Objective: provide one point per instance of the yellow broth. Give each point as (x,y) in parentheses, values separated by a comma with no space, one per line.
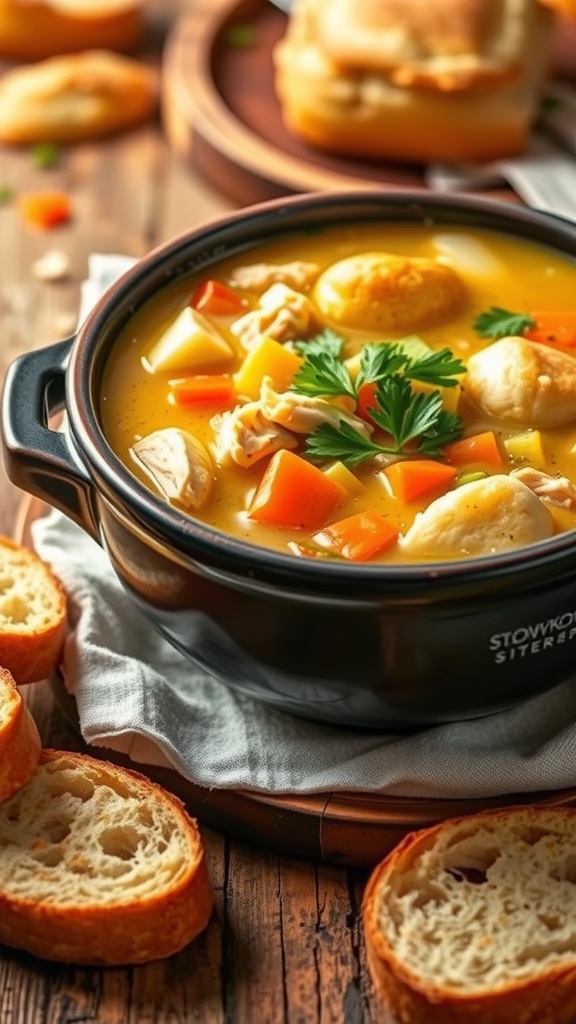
(517,275)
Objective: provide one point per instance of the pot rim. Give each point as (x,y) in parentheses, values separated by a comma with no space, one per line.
(169,262)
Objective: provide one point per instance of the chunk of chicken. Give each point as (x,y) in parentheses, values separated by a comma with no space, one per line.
(483,517)
(179,464)
(282,314)
(523,382)
(558,490)
(245,436)
(382,291)
(257,277)
(303,413)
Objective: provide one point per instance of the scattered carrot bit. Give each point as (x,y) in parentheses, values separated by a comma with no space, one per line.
(413,478)
(482,447)
(358,537)
(553,328)
(293,492)
(214,388)
(45,209)
(215,299)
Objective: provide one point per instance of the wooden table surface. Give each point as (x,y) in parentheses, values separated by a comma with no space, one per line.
(284,944)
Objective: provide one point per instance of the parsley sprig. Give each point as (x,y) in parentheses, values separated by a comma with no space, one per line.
(413,421)
(500,323)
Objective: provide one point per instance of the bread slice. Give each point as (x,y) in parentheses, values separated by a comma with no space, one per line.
(475,920)
(19,738)
(33,614)
(99,865)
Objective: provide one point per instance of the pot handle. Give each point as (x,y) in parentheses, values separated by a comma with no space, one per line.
(39,458)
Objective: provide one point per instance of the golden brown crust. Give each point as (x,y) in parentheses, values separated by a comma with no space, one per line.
(30,644)
(63,31)
(123,930)
(549,997)
(75,97)
(19,738)
(346,87)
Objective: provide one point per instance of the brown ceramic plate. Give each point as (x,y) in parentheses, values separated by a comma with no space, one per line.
(351,829)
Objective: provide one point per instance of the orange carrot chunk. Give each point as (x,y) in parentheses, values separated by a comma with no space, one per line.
(215,299)
(553,328)
(358,537)
(210,388)
(478,448)
(413,478)
(45,209)
(366,400)
(293,492)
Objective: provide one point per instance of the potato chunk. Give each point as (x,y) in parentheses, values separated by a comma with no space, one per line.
(483,517)
(189,343)
(382,291)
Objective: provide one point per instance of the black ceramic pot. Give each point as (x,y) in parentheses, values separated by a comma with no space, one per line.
(399,647)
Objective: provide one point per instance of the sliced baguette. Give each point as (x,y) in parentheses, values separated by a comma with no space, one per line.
(474,920)
(99,865)
(19,738)
(33,614)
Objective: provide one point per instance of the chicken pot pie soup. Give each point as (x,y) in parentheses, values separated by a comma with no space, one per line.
(371,393)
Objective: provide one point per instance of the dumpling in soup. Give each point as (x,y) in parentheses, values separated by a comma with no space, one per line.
(523,382)
(383,291)
(482,517)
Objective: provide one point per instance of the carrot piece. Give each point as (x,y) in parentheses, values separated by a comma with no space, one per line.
(214,388)
(45,209)
(216,299)
(553,328)
(366,400)
(358,537)
(413,478)
(482,447)
(293,492)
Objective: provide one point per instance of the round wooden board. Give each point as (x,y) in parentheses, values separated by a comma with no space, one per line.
(351,829)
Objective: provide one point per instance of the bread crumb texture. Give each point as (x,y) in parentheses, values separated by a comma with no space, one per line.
(99,865)
(476,920)
(33,614)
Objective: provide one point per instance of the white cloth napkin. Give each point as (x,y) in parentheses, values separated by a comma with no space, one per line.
(137,695)
(544,176)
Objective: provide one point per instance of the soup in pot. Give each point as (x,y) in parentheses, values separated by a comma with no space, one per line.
(371,393)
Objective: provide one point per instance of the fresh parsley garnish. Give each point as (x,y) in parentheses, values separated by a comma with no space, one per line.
(412,420)
(343,443)
(500,323)
(326,341)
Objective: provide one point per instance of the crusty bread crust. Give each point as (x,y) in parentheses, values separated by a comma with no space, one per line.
(58,31)
(19,738)
(33,614)
(544,993)
(99,865)
(74,97)
(404,111)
